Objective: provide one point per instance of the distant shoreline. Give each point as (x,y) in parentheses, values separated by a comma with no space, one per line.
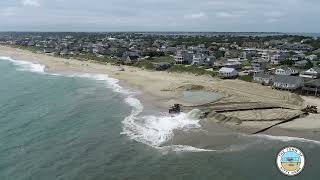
(164,89)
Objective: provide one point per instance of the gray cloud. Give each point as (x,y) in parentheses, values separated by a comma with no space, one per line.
(160,15)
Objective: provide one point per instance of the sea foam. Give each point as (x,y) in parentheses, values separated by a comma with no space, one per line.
(287,138)
(26,66)
(151,130)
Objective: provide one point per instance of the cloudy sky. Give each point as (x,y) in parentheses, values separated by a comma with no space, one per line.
(160,15)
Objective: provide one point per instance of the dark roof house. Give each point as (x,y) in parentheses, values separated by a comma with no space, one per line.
(287,82)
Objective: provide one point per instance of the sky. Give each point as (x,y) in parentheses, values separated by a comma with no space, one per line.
(161,15)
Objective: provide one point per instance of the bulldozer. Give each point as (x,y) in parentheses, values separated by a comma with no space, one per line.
(310,109)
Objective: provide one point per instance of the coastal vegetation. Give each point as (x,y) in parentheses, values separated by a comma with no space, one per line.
(246,78)
(309,65)
(158,59)
(145,64)
(91,56)
(192,69)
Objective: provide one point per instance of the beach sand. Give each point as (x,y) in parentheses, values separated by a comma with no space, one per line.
(163,89)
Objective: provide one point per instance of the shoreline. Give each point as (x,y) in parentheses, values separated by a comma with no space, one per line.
(160,90)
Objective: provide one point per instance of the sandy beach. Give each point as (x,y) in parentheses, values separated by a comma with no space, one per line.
(164,89)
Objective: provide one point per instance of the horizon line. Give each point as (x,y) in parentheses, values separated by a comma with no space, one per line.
(160,31)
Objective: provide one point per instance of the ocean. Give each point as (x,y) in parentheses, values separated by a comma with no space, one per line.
(72,126)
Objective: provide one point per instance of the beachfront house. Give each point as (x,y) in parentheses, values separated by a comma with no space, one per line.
(287,82)
(130,57)
(312,87)
(228,72)
(286,71)
(262,78)
(233,63)
(183,57)
(312,73)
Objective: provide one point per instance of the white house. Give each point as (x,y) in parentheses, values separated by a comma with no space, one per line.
(286,71)
(228,72)
(313,73)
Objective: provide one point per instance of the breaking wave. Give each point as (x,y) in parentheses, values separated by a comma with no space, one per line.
(151,130)
(25,65)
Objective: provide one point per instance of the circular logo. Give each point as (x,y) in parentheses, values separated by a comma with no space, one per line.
(291,161)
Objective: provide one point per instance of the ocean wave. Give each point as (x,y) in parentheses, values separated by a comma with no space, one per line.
(155,130)
(151,130)
(184,148)
(111,83)
(286,138)
(25,65)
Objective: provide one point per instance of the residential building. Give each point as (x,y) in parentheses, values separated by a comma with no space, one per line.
(258,66)
(312,57)
(183,57)
(286,71)
(298,57)
(312,73)
(233,63)
(300,64)
(210,60)
(262,78)
(228,72)
(312,87)
(287,82)
(130,57)
(248,53)
(264,55)
(199,59)
(278,57)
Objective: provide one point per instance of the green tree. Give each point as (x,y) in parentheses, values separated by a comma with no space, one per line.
(308,65)
(287,62)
